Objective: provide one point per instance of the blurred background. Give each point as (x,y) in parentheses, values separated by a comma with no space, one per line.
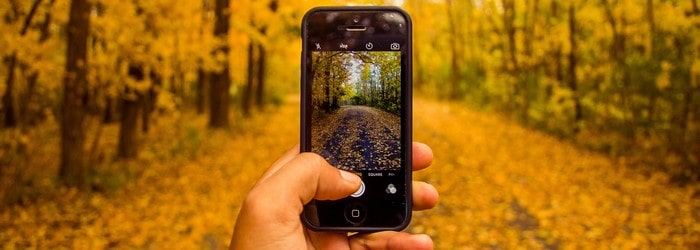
(555,124)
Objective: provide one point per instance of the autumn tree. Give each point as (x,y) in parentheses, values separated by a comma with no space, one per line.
(329,73)
(455,71)
(27,110)
(262,66)
(15,103)
(73,170)
(8,101)
(247,97)
(577,69)
(253,91)
(138,94)
(128,125)
(220,80)
(573,78)
(202,74)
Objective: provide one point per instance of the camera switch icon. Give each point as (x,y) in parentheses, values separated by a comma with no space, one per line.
(390,189)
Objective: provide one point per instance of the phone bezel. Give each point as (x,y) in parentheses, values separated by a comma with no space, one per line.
(406,117)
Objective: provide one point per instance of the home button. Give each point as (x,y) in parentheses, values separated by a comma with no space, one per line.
(355,213)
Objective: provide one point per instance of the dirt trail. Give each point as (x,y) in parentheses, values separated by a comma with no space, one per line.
(359,132)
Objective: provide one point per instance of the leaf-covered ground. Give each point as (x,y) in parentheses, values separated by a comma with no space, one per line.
(502,186)
(357,138)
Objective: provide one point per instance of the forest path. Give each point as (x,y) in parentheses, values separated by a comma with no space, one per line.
(359,132)
(505,186)
(502,187)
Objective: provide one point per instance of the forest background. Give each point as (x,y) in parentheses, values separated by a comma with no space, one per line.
(97,95)
(364,78)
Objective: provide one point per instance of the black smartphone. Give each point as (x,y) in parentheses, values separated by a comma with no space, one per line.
(356,82)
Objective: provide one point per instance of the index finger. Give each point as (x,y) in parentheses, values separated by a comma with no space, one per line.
(288,156)
(422,156)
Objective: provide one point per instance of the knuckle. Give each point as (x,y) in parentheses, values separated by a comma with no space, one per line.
(312,160)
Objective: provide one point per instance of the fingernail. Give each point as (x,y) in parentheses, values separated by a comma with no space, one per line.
(349,176)
(423,238)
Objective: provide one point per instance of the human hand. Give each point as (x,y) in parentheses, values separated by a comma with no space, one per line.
(270,215)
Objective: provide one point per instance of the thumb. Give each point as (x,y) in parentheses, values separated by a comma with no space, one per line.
(307,176)
(272,208)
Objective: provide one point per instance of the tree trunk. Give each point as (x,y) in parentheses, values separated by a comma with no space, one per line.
(26,113)
(221,81)
(327,100)
(8,103)
(559,74)
(8,100)
(557,54)
(509,23)
(262,53)
(651,52)
(146,109)
(260,87)
(616,50)
(110,110)
(573,81)
(149,101)
(250,80)
(510,61)
(73,170)
(455,74)
(531,15)
(203,77)
(128,129)
(617,56)
(652,26)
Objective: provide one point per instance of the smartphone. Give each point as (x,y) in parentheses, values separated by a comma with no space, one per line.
(356,81)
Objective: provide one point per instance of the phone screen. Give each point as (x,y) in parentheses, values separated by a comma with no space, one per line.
(356,87)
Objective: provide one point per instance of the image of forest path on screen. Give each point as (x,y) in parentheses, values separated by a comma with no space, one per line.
(356,121)
(360,138)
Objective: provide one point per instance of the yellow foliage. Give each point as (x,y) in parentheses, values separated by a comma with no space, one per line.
(501,186)
(180,203)
(663,81)
(511,187)
(673,19)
